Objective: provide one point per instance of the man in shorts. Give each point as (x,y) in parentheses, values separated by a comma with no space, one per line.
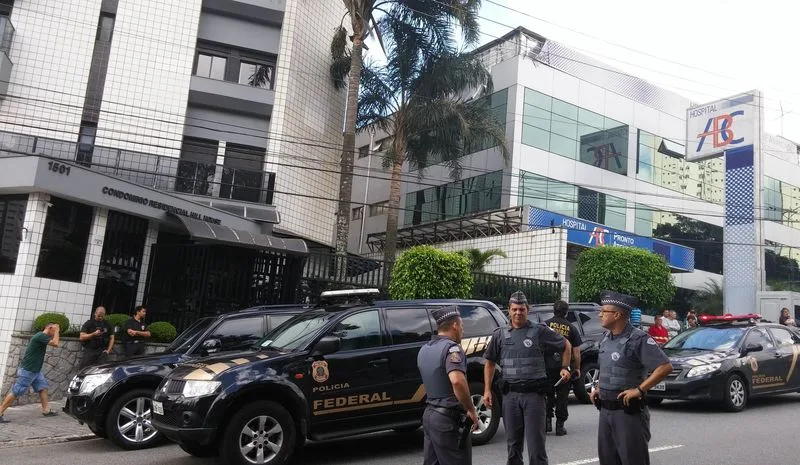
(29,373)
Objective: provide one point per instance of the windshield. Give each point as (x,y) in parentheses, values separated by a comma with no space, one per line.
(297,332)
(707,338)
(186,339)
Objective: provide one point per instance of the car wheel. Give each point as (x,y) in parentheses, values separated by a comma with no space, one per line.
(259,433)
(128,422)
(488,418)
(735,394)
(101,433)
(583,385)
(200,451)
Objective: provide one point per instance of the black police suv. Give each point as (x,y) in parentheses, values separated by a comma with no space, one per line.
(585,316)
(730,359)
(114,399)
(331,372)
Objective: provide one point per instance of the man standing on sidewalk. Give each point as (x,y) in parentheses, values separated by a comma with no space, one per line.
(29,372)
(97,338)
(136,331)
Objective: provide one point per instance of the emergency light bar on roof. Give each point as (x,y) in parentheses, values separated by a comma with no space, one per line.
(706,319)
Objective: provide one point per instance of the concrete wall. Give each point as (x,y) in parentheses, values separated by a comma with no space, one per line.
(60,364)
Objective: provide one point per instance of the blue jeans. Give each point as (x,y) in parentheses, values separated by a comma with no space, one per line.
(25,379)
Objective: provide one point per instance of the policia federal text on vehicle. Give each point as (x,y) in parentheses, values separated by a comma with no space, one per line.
(335,371)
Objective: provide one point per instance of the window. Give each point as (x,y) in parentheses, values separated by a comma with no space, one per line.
(86,138)
(781,202)
(256,75)
(239,333)
(783,338)
(380,208)
(105,28)
(573,132)
(408,325)
(759,336)
(358,213)
(477,321)
(277,320)
(12,217)
(455,199)
(781,265)
(65,239)
(363,151)
(210,66)
(360,331)
(591,323)
(197,166)
(243,173)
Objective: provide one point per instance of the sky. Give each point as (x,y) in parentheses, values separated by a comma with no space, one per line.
(702,49)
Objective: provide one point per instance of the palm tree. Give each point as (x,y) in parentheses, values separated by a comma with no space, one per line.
(710,298)
(478,260)
(417,97)
(346,68)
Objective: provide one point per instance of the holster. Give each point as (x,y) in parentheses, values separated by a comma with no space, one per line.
(635,406)
(465,429)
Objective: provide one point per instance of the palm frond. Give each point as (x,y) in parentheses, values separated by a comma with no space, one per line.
(341,59)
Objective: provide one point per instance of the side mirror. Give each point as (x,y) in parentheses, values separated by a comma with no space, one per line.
(753,348)
(211,346)
(327,345)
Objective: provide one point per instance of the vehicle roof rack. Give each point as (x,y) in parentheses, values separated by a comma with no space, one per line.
(349,297)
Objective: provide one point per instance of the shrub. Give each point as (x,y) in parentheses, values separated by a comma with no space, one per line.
(46,318)
(161,331)
(424,272)
(629,270)
(117,320)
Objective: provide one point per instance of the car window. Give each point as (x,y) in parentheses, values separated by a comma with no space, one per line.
(239,333)
(783,337)
(591,322)
(477,321)
(359,331)
(759,336)
(407,325)
(275,320)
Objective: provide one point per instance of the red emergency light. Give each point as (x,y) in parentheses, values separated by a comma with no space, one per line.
(727,318)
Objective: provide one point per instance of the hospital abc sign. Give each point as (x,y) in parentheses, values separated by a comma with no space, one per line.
(713,128)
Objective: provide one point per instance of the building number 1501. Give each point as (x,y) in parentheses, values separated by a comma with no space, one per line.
(59,168)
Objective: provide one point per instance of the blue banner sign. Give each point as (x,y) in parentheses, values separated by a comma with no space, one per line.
(588,234)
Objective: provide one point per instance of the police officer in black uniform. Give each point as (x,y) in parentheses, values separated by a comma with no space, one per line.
(559,395)
(520,349)
(627,354)
(450,416)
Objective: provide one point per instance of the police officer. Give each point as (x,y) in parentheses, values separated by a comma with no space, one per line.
(558,396)
(627,354)
(520,349)
(443,366)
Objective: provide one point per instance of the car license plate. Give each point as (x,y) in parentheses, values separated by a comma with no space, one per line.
(158,408)
(662,386)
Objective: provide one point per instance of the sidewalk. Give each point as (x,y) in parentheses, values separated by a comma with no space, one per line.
(27,427)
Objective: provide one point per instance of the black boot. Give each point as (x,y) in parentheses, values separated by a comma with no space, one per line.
(548,426)
(560,431)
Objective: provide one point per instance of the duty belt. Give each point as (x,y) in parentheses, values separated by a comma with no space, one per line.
(524,387)
(452,413)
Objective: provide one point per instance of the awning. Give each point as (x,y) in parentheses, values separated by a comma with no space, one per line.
(204,231)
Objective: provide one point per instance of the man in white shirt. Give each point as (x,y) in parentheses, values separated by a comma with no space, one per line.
(671,323)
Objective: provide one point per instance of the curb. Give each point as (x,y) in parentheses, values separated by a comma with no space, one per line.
(43,441)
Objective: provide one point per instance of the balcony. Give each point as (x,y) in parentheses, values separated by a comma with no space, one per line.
(6,40)
(231,186)
(232,96)
(265,11)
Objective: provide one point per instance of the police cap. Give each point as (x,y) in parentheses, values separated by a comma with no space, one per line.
(622,301)
(518,298)
(445,314)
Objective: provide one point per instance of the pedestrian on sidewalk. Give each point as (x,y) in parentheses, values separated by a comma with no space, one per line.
(135,333)
(97,338)
(30,373)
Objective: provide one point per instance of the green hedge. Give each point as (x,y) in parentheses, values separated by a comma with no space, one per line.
(46,318)
(424,272)
(117,319)
(161,331)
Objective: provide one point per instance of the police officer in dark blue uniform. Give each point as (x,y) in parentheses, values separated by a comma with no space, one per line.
(627,354)
(443,366)
(520,349)
(557,398)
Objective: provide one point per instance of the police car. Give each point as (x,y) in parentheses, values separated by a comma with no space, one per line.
(114,398)
(331,372)
(730,359)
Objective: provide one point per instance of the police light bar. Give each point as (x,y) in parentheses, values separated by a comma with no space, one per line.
(727,318)
(350,292)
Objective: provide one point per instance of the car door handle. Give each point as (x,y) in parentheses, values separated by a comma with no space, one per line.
(378,361)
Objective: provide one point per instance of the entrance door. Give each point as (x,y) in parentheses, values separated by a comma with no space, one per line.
(120,263)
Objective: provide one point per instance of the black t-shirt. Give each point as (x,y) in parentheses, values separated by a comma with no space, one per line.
(136,326)
(97,342)
(563,327)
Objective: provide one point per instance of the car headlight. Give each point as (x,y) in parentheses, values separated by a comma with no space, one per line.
(91,382)
(194,388)
(703,370)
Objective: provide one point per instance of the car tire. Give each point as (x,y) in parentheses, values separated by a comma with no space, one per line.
(489,418)
(735,394)
(579,386)
(271,424)
(132,412)
(200,451)
(100,433)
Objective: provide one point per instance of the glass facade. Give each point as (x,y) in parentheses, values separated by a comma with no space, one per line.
(565,129)
(781,202)
(781,266)
(570,200)
(455,199)
(706,239)
(12,216)
(661,162)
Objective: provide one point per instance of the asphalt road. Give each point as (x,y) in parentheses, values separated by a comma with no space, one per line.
(683,433)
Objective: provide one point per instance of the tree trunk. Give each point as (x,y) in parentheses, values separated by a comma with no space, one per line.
(390,243)
(348,150)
